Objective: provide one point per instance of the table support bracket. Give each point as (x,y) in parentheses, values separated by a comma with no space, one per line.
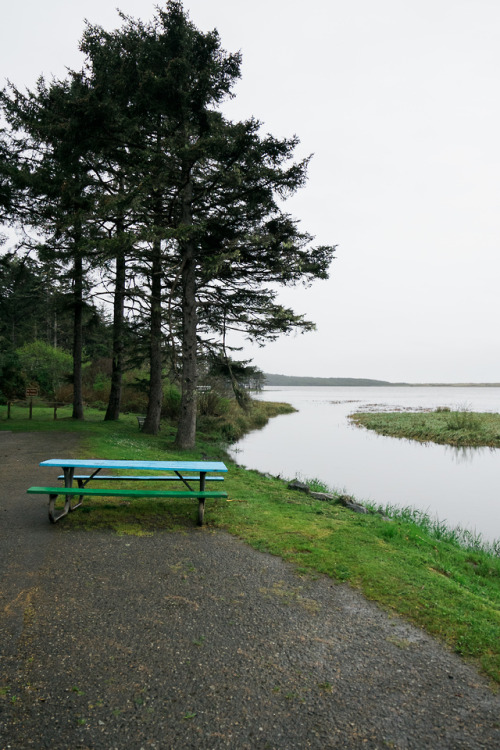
(67,507)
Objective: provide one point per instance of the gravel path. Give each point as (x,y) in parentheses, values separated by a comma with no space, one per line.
(194,640)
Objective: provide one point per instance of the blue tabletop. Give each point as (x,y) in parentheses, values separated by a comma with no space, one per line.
(98,463)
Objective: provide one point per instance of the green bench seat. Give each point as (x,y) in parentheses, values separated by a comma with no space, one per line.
(135,477)
(82,492)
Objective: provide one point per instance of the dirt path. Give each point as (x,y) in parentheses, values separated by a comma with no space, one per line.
(194,640)
(25,538)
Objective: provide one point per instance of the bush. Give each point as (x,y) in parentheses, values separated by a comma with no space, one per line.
(64,394)
(45,365)
(98,393)
(171,402)
(133,400)
(211,404)
(234,422)
(12,381)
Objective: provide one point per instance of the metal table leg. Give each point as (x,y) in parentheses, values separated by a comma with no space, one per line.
(201,503)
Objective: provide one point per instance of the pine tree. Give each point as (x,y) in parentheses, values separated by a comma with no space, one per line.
(191,202)
(55,182)
(207,193)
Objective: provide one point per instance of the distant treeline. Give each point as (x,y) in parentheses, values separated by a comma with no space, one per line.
(272,379)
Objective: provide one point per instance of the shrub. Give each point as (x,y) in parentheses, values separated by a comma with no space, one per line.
(45,365)
(12,381)
(133,400)
(211,404)
(171,402)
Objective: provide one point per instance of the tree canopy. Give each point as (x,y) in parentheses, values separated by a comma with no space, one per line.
(133,178)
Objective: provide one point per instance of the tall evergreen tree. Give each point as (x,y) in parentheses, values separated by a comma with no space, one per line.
(207,190)
(196,199)
(56,184)
(169,75)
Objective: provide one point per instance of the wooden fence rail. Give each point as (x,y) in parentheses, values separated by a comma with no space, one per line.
(55,405)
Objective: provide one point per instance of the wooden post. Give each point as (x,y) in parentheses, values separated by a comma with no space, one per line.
(8,409)
(30,392)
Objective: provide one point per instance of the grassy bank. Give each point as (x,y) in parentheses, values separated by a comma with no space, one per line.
(460,427)
(452,592)
(227,426)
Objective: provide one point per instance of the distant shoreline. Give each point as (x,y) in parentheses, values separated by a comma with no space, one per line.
(274,379)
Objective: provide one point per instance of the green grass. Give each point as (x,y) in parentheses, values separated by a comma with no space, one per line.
(459,427)
(429,578)
(227,427)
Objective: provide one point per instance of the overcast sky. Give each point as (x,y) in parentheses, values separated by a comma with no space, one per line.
(398,101)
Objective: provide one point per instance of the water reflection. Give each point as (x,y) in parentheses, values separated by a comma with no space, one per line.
(458,485)
(459,453)
(464,454)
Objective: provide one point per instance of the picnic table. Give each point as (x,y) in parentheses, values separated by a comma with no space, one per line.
(185,472)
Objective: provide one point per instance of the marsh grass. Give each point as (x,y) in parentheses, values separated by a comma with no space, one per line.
(459,427)
(231,425)
(464,420)
(315,484)
(438,529)
(422,573)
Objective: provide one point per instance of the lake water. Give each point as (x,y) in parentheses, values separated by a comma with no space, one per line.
(456,485)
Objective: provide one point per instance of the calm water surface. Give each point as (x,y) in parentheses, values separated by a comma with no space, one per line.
(459,486)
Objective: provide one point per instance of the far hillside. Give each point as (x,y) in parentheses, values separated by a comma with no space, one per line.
(273,379)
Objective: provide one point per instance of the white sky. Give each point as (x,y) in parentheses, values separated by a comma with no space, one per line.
(398,101)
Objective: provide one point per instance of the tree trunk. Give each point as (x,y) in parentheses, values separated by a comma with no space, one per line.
(186,429)
(78,337)
(153,414)
(115,395)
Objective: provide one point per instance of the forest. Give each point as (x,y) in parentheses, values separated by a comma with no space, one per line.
(149,229)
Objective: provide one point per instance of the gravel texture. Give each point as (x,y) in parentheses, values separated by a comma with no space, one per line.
(195,640)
